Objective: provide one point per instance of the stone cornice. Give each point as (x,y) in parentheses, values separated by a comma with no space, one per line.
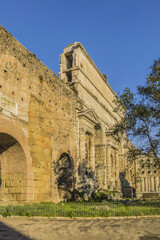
(78,81)
(84,104)
(78,44)
(98,101)
(85,114)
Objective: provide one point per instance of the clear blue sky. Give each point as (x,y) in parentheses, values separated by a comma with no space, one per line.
(121,36)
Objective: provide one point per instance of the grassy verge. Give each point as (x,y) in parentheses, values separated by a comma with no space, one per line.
(83,209)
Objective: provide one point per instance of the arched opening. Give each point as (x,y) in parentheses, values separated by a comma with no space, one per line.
(13,170)
(127,190)
(65,176)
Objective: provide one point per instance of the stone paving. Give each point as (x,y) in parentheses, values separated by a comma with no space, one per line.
(23,228)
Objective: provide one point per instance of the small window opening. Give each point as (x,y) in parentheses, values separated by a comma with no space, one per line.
(69,61)
(69,76)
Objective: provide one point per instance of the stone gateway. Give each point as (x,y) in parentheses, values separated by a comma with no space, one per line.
(55,131)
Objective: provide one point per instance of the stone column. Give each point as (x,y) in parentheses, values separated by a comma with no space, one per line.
(62,64)
(142,184)
(82,146)
(113,165)
(149,186)
(138,186)
(104,156)
(157,183)
(108,163)
(152,184)
(117,169)
(145,184)
(92,156)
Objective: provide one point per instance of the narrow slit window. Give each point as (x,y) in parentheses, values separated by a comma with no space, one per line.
(69,61)
(69,76)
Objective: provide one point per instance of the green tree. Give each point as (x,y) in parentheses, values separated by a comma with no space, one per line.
(141,116)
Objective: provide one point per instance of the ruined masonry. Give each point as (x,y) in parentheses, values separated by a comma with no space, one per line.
(55,131)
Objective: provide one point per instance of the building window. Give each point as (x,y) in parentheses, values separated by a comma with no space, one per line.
(69,76)
(69,59)
(142,165)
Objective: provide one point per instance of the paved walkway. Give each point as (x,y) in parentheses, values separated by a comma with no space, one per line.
(23,228)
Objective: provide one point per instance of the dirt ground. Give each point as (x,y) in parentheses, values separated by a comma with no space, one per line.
(27,228)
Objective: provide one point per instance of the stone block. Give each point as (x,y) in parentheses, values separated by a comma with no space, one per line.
(15,190)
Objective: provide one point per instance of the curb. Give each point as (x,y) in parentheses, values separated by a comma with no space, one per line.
(85,218)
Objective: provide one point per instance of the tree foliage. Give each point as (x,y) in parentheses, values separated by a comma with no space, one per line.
(141,116)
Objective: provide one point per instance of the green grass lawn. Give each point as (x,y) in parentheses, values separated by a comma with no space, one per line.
(83,209)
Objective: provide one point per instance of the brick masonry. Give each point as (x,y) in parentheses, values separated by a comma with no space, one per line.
(50,125)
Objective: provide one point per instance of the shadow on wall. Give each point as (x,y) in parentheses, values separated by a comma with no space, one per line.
(64,171)
(65,179)
(88,181)
(9,233)
(127,190)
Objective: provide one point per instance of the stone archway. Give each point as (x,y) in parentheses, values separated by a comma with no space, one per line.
(65,176)
(13,162)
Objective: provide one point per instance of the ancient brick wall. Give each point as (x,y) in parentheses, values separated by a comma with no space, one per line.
(55,132)
(38,110)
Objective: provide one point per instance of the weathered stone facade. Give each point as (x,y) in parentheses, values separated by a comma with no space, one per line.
(96,148)
(37,124)
(55,131)
(148,178)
